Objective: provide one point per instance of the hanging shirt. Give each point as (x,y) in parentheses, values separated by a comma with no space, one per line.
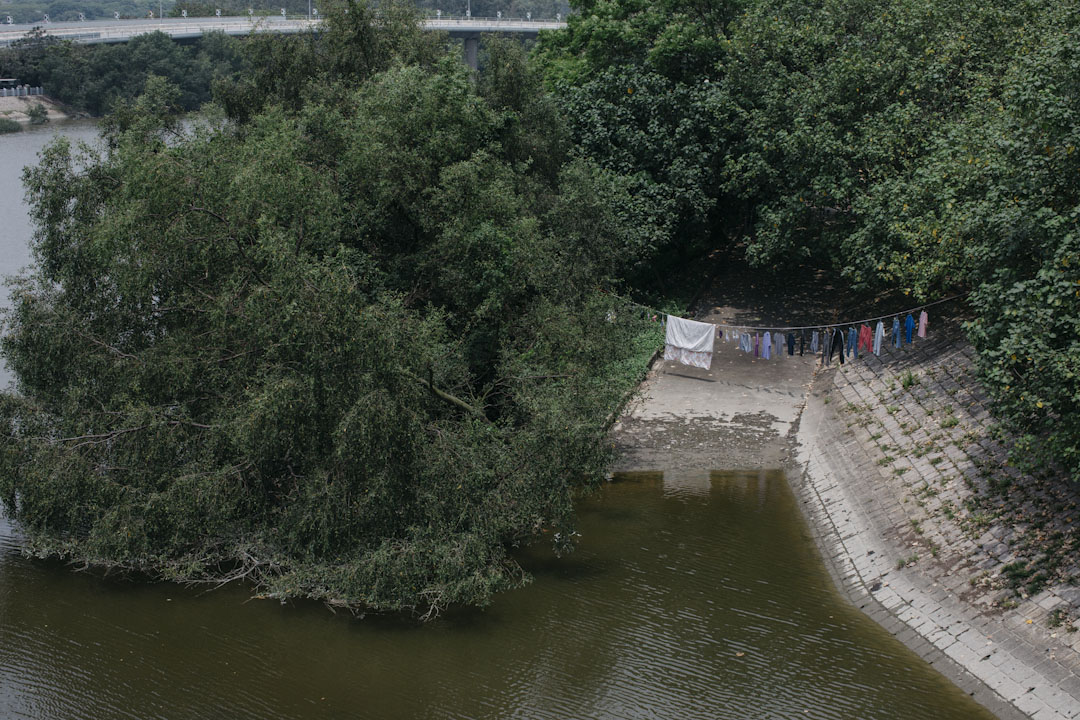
(924,320)
(689,342)
(879,335)
(865,338)
(778,344)
(745,342)
(766,346)
(909,327)
(896,338)
(852,338)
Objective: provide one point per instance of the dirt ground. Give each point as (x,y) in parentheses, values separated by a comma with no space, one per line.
(739,413)
(15,108)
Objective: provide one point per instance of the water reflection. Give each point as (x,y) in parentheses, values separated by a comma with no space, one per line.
(694,595)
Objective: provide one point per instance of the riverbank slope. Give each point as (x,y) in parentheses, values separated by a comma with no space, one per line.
(892,534)
(930,531)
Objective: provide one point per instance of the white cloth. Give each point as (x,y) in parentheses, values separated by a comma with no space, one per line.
(689,342)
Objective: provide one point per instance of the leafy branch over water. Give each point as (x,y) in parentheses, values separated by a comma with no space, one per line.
(346,344)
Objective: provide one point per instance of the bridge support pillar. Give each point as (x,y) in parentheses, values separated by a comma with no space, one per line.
(472,51)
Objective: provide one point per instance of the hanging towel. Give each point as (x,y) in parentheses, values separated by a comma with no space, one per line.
(909,327)
(896,337)
(766,346)
(865,338)
(791,343)
(689,342)
(924,320)
(852,338)
(745,342)
(814,342)
(879,335)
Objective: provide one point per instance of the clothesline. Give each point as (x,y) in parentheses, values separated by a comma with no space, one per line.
(823,326)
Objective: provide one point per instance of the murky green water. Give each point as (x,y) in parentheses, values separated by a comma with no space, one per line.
(690,596)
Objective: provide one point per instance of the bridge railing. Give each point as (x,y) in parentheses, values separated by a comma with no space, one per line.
(100,32)
(21,91)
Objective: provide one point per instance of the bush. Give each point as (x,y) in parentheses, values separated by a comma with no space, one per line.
(38,114)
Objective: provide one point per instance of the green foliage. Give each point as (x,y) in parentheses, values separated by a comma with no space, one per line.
(8,125)
(633,81)
(34,11)
(350,348)
(37,114)
(922,147)
(91,78)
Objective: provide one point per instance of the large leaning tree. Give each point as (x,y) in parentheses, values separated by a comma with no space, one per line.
(343,337)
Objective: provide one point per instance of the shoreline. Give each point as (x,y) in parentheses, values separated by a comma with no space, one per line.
(873,514)
(870,513)
(16,108)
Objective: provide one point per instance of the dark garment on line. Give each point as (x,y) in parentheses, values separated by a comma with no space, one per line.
(909,327)
(791,343)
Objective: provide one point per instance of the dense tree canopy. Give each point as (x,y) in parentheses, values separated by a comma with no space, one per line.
(915,146)
(349,346)
(92,78)
(346,336)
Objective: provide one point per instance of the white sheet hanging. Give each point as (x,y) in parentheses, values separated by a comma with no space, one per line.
(689,342)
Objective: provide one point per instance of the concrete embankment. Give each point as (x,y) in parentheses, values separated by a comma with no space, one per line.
(924,526)
(928,529)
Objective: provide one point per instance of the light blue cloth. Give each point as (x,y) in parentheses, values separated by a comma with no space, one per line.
(897,338)
(852,338)
(814,342)
(766,346)
(879,335)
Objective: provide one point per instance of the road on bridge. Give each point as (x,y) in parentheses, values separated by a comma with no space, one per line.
(114,31)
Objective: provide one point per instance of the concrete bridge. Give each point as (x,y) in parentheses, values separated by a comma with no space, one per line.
(467,29)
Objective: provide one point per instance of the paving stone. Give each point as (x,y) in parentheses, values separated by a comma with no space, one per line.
(878,503)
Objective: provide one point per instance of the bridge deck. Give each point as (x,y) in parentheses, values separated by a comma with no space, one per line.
(114,31)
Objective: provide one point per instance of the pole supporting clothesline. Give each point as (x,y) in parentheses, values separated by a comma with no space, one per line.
(822,326)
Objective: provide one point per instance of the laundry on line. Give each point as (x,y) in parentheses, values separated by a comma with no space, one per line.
(691,342)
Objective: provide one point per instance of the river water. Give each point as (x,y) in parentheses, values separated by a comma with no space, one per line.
(691,595)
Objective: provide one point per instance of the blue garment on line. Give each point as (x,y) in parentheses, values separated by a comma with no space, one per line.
(896,337)
(879,335)
(744,342)
(766,346)
(909,327)
(852,338)
(814,342)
